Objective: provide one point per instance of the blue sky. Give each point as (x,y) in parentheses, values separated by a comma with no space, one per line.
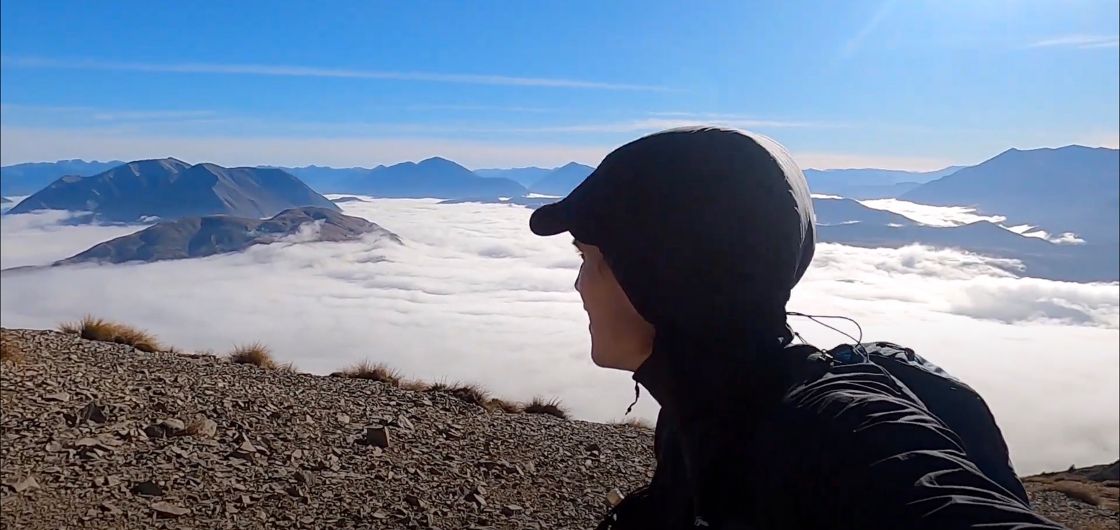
(905,84)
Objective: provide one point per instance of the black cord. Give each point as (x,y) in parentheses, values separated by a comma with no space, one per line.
(636,395)
(815,318)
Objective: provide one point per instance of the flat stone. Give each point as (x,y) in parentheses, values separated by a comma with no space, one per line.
(57,396)
(25,484)
(166,509)
(206,428)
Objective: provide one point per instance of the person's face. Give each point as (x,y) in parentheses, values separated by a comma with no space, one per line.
(620,337)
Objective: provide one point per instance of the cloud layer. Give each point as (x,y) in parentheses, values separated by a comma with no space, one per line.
(472,296)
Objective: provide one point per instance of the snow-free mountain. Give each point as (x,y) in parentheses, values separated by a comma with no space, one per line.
(525,176)
(562,180)
(1069,189)
(195,237)
(434,177)
(25,179)
(170,189)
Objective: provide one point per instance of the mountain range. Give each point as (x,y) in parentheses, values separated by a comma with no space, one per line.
(195,237)
(434,177)
(169,189)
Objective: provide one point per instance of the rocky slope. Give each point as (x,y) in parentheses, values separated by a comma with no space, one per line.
(93,437)
(196,237)
(99,435)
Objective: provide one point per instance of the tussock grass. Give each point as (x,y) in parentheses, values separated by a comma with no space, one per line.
(552,407)
(509,407)
(99,329)
(287,368)
(10,352)
(634,421)
(414,385)
(256,354)
(372,372)
(465,392)
(1076,491)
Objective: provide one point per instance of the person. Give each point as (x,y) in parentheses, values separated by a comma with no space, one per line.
(692,240)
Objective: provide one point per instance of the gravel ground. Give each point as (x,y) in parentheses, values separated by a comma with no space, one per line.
(98,435)
(1072,513)
(95,435)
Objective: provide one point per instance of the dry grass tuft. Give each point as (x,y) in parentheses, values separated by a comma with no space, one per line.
(465,392)
(552,407)
(1076,491)
(414,385)
(634,421)
(99,329)
(10,352)
(256,354)
(372,372)
(508,407)
(287,368)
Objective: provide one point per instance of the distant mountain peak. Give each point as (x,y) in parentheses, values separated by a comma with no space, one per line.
(437,161)
(169,188)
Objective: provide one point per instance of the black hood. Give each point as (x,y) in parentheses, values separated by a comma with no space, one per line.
(706,229)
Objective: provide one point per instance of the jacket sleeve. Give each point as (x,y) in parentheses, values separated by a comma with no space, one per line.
(897,466)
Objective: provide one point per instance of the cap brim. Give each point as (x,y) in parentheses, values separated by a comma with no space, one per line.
(550,219)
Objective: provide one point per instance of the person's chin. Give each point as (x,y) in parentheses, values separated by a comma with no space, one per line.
(599,359)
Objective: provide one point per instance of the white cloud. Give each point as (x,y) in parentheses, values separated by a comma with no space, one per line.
(472,295)
(37,238)
(932,215)
(321,72)
(1080,41)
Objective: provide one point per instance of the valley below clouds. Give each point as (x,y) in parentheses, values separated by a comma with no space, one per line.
(472,296)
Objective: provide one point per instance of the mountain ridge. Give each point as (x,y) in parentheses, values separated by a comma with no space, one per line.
(169,188)
(1066,189)
(196,237)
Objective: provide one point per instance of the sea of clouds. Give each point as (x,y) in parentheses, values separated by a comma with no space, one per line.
(471,295)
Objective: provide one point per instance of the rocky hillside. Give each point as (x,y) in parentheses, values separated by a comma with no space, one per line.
(100,435)
(196,237)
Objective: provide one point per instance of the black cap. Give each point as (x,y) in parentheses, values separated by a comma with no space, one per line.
(719,213)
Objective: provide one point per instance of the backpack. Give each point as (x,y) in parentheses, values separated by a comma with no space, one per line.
(950,400)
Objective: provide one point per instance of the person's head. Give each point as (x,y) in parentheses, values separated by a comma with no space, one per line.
(698,232)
